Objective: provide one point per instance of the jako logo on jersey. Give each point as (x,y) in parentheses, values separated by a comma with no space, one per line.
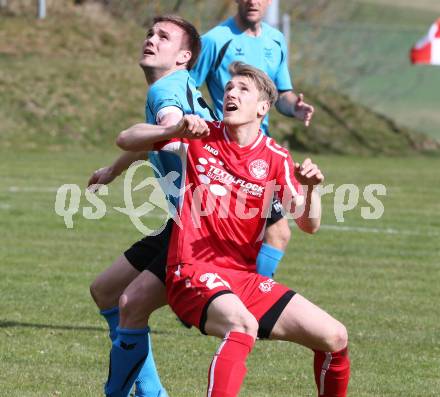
(266,286)
(211,150)
(239,51)
(259,169)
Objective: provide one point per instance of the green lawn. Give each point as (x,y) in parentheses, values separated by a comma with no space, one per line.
(380,277)
(361,48)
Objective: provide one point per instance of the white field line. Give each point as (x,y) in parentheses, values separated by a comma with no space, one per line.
(337,228)
(31,189)
(356,229)
(360,229)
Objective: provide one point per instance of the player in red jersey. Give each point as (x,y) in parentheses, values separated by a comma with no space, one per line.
(232,171)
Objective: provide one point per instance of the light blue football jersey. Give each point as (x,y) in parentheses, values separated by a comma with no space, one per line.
(225,44)
(176,89)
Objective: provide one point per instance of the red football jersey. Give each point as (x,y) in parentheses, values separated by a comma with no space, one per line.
(228,195)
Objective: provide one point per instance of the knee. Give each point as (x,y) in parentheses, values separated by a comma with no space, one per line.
(245,323)
(337,338)
(135,307)
(128,311)
(129,304)
(251,326)
(97,293)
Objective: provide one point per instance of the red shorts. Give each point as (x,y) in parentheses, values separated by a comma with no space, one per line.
(191,288)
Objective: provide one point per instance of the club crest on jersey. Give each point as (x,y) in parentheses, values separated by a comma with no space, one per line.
(268,53)
(266,286)
(259,169)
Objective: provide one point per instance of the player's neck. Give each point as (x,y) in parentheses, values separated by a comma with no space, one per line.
(251,29)
(154,74)
(243,135)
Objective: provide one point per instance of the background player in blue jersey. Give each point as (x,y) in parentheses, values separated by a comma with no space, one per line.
(246,38)
(136,278)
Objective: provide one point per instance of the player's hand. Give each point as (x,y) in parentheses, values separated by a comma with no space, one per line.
(102,176)
(303,111)
(192,126)
(308,173)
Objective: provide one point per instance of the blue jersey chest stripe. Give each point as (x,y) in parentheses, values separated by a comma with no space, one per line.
(221,54)
(204,105)
(282,53)
(189,97)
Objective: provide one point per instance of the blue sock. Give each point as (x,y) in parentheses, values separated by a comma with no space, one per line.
(268,259)
(148,382)
(112,318)
(128,354)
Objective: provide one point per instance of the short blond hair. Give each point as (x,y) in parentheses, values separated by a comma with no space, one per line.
(262,81)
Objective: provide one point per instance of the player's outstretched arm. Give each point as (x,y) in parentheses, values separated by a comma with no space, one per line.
(143,136)
(293,105)
(106,175)
(309,176)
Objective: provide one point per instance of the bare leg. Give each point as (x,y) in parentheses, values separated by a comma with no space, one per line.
(145,294)
(305,323)
(109,285)
(228,313)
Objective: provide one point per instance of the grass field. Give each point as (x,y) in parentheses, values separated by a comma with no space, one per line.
(361,48)
(75,79)
(380,277)
(429,5)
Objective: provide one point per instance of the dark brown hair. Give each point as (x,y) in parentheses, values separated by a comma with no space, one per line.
(192,40)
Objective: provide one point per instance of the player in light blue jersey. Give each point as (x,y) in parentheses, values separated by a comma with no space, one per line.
(185,99)
(245,37)
(135,280)
(227,43)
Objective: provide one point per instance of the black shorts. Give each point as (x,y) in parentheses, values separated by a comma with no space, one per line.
(277,212)
(150,253)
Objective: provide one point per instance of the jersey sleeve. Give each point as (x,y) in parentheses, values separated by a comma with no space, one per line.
(172,145)
(167,110)
(205,62)
(177,145)
(282,79)
(289,186)
(160,98)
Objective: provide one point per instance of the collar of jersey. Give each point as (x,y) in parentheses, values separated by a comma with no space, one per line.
(243,149)
(237,30)
(171,75)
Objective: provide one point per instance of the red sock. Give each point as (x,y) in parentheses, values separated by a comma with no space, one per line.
(332,373)
(228,367)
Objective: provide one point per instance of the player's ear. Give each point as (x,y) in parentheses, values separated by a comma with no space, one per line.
(184,57)
(263,108)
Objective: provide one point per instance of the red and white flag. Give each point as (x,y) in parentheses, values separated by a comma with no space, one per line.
(427,49)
